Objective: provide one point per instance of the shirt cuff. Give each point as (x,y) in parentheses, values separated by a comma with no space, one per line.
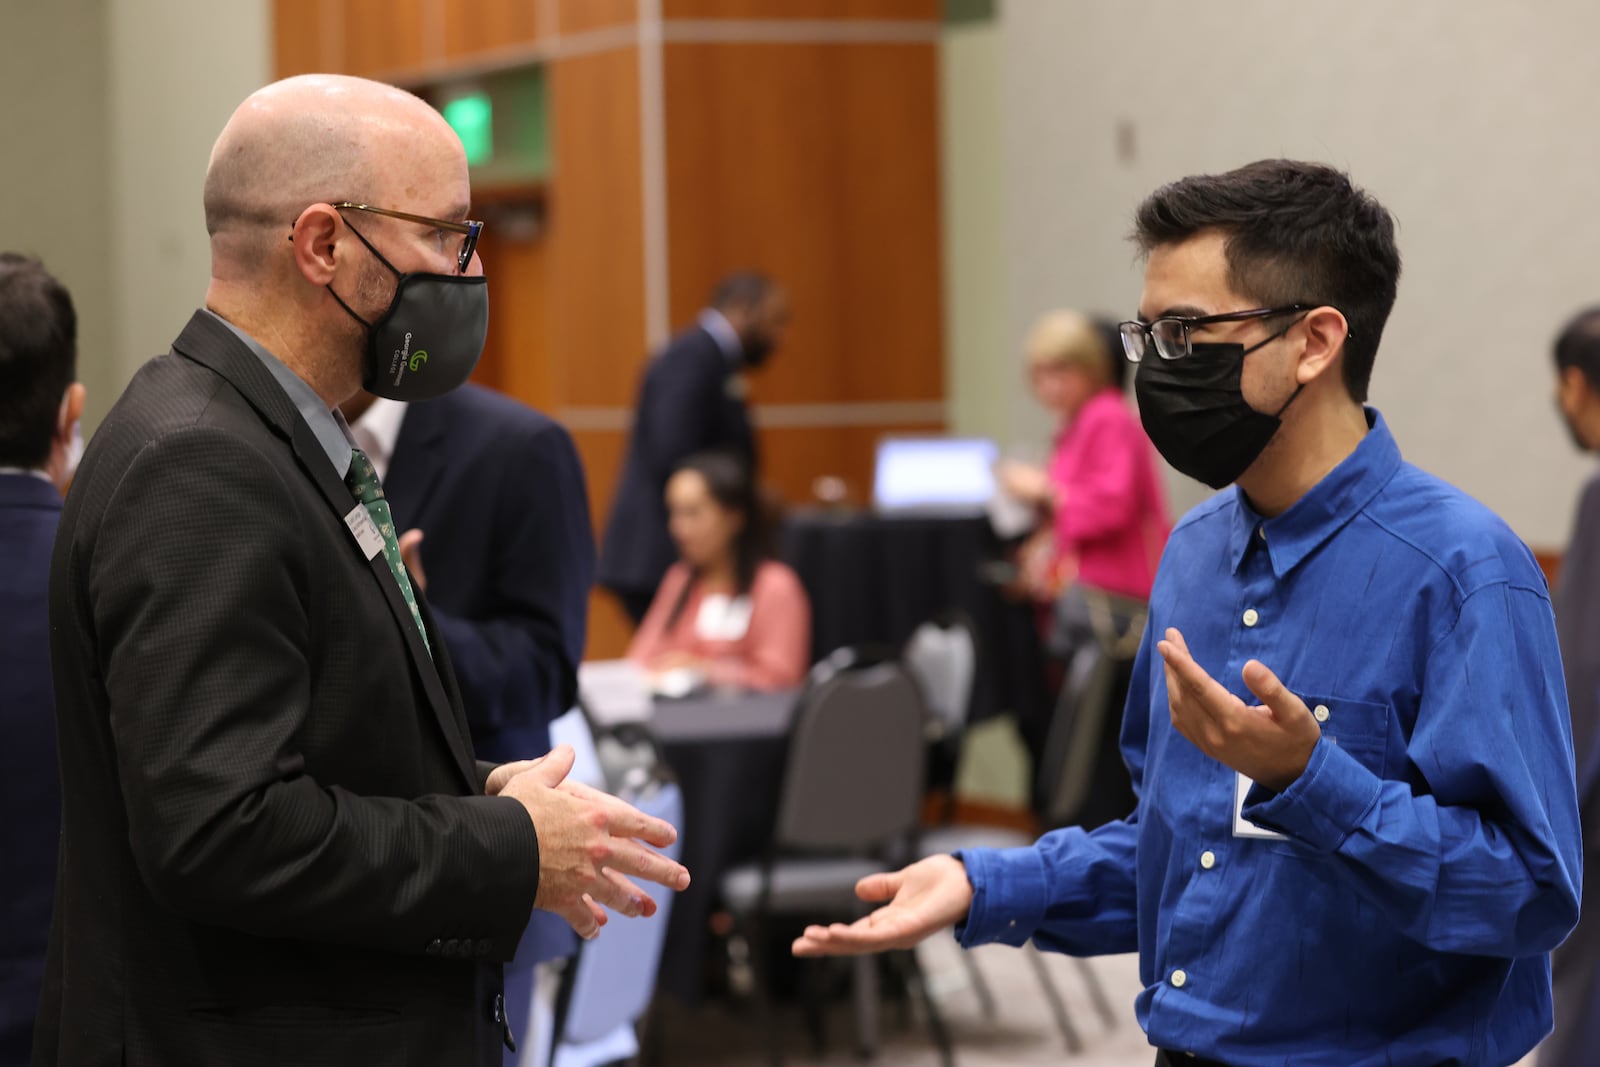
(1010,891)
(1324,805)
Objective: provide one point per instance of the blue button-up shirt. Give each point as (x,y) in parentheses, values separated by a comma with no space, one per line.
(1429,856)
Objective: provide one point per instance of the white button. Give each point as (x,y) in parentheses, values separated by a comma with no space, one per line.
(1261,532)
(1208,859)
(1321,712)
(1251,616)
(1178,979)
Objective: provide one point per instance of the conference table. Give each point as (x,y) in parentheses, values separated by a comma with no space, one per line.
(873,578)
(727,751)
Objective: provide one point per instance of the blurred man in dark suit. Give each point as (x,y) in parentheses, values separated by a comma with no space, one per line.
(278,846)
(692,400)
(40,403)
(491,498)
(1576,964)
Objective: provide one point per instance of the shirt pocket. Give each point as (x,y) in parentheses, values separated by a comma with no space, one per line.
(1359,727)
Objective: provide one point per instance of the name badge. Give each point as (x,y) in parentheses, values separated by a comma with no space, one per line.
(364,530)
(1243,827)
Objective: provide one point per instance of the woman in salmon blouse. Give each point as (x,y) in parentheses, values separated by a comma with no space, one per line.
(726,611)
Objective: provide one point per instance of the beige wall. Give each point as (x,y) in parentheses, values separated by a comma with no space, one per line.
(54,188)
(109,108)
(1473,123)
(979,368)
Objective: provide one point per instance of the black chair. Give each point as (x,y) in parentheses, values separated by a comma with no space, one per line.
(850,807)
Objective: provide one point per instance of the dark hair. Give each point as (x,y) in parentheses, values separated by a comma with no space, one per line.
(38,358)
(743,288)
(730,483)
(1296,233)
(1111,335)
(1579,345)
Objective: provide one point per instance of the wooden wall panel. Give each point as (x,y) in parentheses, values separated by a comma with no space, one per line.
(487,25)
(792,458)
(516,357)
(602,453)
(817,163)
(597,228)
(382,36)
(923,10)
(579,16)
(299,38)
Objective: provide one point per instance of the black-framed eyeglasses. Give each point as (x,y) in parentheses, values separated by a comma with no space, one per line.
(469,230)
(1169,335)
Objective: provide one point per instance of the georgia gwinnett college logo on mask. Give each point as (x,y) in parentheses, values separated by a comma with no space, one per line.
(405,359)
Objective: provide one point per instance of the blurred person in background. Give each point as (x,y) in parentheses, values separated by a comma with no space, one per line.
(727,613)
(1576,964)
(40,404)
(691,399)
(491,497)
(1094,557)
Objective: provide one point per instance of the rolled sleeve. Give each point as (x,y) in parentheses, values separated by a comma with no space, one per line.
(1010,892)
(1324,805)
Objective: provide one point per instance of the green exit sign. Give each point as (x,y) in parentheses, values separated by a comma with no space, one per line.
(472,117)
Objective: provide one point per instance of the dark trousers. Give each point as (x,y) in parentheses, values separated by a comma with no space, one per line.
(1183,1059)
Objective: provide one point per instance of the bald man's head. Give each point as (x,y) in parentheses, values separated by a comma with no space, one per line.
(304,140)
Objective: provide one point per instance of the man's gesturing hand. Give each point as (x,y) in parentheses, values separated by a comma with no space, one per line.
(1270,742)
(587,849)
(927,896)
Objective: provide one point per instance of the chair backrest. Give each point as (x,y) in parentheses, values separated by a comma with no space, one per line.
(856,758)
(942,655)
(615,974)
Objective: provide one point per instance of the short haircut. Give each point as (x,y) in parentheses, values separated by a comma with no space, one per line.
(743,288)
(38,358)
(1296,233)
(1579,345)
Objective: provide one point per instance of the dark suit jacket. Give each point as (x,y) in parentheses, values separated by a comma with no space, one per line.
(686,405)
(30,787)
(272,849)
(508,552)
(498,491)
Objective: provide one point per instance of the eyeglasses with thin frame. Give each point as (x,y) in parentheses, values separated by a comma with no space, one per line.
(1169,335)
(469,229)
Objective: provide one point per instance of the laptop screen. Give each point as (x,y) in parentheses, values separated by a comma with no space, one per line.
(934,473)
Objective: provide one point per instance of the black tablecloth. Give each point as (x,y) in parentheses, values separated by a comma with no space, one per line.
(728,754)
(873,579)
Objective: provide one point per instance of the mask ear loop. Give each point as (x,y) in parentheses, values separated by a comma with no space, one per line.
(1299,387)
(362,238)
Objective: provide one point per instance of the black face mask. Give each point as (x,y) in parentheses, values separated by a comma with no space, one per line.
(1195,412)
(429,340)
(757,349)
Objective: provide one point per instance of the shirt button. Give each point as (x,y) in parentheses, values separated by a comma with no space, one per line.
(1261,532)
(1208,859)
(1251,617)
(1321,712)
(1179,979)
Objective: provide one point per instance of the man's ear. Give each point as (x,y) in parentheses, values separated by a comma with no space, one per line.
(1326,331)
(71,409)
(315,236)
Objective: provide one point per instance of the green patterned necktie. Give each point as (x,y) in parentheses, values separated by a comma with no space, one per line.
(363,482)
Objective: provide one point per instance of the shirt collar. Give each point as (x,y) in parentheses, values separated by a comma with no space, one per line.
(721,330)
(327,426)
(31,472)
(378,429)
(1331,503)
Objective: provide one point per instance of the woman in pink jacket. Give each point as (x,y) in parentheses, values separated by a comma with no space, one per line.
(1094,557)
(727,614)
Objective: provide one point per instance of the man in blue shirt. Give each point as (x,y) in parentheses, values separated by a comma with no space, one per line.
(1356,839)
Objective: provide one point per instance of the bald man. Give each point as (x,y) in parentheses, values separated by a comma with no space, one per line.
(277,845)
